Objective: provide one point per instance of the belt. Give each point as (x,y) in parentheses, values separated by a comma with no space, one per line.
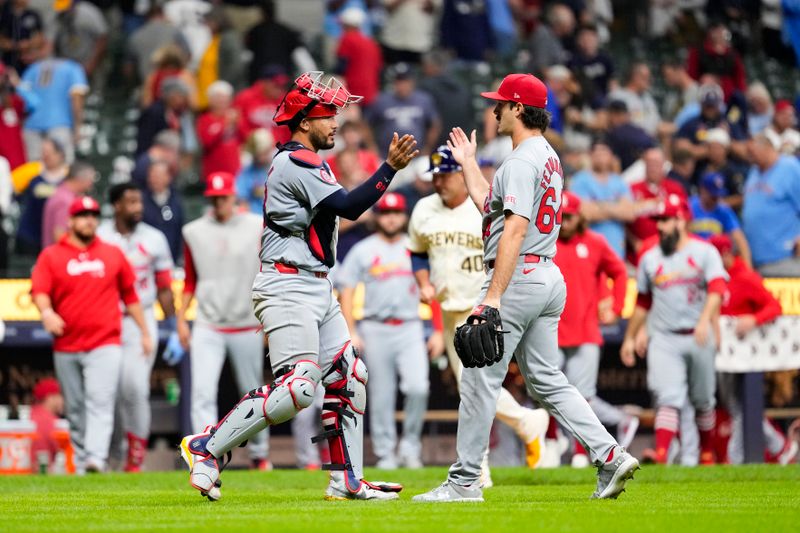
(686,331)
(527,258)
(389,321)
(283,268)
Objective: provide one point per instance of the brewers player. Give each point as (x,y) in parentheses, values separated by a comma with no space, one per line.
(220,263)
(293,298)
(522,212)
(148,253)
(680,284)
(391,333)
(587,260)
(447,256)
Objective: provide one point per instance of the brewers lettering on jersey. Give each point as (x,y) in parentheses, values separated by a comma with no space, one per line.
(521,219)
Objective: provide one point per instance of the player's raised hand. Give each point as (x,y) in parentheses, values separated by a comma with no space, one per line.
(462,147)
(401,151)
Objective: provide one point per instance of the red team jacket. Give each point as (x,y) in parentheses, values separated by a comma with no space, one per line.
(583,260)
(746,295)
(86,287)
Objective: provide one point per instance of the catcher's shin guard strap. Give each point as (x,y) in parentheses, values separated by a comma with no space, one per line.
(343,414)
(267,405)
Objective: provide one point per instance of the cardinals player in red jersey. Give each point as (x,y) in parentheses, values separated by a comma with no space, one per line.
(587,262)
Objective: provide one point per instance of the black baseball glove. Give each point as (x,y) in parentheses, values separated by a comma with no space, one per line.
(479,342)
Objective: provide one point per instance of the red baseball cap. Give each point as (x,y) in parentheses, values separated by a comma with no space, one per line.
(295,101)
(83,204)
(44,388)
(674,207)
(722,243)
(525,89)
(391,202)
(570,203)
(782,105)
(220,184)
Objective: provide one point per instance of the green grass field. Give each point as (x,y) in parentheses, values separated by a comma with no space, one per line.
(679,500)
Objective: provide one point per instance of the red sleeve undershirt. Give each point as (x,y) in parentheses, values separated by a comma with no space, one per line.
(190,281)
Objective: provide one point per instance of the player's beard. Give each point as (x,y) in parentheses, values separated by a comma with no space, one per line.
(669,242)
(320,141)
(84,236)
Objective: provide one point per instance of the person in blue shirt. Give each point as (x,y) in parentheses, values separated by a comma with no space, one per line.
(771,212)
(250,180)
(60,86)
(711,217)
(607,203)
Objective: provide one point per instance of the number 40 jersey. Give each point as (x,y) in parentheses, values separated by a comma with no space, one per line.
(452,239)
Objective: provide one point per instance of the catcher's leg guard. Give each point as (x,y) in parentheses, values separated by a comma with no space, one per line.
(292,391)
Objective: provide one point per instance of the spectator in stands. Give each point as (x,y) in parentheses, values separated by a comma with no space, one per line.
(772,33)
(35,196)
(155,34)
(683,170)
(718,147)
(171,111)
(166,148)
(250,181)
(648,195)
(592,67)
(546,44)
(12,113)
(81,34)
(222,59)
(759,108)
(771,212)
(163,207)
(169,61)
(606,198)
(683,92)
(60,87)
(637,97)
(79,181)
(273,43)
(358,57)
(218,132)
(504,28)
(47,409)
(21,34)
(404,110)
(6,194)
(452,97)
(409,30)
(784,128)
(356,142)
(716,56)
(464,29)
(710,217)
(691,135)
(257,103)
(625,139)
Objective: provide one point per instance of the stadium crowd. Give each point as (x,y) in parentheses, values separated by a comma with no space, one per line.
(206,79)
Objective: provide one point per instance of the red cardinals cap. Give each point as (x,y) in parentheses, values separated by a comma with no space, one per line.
(782,105)
(722,243)
(570,203)
(296,100)
(525,89)
(220,184)
(674,207)
(44,388)
(391,202)
(84,204)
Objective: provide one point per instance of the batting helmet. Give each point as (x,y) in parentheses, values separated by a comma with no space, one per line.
(313,97)
(442,161)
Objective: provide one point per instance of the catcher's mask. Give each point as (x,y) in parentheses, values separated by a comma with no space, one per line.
(315,95)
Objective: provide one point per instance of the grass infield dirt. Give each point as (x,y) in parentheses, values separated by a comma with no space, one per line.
(674,499)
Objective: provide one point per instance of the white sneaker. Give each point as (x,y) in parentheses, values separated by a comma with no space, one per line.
(485,481)
(611,476)
(580,460)
(449,492)
(376,490)
(534,424)
(203,467)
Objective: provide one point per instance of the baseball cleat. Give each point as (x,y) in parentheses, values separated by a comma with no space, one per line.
(375,490)
(612,475)
(535,422)
(627,430)
(203,467)
(449,492)
(485,480)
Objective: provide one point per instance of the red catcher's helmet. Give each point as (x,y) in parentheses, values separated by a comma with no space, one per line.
(314,97)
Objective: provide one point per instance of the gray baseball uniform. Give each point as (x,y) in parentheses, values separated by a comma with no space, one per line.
(148,252)
(527,184)
(394,342)
(677,367)
(222,263)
